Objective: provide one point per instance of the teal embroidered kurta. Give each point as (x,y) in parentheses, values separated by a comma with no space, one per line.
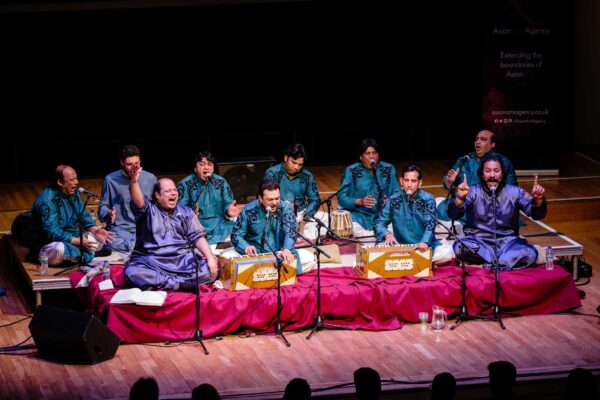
(279,234)
(359,181)
(411,223)
(54,219)
(299,190)
(212,198)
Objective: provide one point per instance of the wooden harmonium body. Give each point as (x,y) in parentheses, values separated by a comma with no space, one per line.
(248,272)
(384,261)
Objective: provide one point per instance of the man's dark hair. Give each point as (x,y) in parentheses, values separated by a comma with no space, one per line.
(204,154)
(443,386)
(206,391)
(58,174)
(581,385)
(503,376)
(491,157)
(368,383)
(411,168)
(296,151)
(144,388)
(366,143)
(297,389)
(129,151)
(267,184)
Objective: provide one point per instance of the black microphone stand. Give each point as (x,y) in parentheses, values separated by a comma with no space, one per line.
(319,320)
(464,314)
(496,314)
(81,262)
(327,201)
(198,334)
(377,187)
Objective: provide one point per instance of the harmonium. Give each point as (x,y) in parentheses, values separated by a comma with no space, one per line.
(383,261)
(258,271)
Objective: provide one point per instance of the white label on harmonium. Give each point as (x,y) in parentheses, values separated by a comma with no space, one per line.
(392,261)
(259,271)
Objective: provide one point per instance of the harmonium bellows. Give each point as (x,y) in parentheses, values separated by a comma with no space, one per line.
(258,271)
(385,261)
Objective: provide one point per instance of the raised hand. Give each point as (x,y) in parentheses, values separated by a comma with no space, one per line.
(463,189)
(232,210)
(112,215)
(538,190)
(451,176)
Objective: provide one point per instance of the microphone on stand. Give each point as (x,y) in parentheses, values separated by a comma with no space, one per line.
(264,233)
(409,195)
(208,176)
(373,164)
(493,190)
(85,191)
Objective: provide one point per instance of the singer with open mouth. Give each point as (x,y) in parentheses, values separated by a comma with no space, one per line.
(485,143)
(411,213)
(491,231)
(211,198)
(54,226)
(365,187)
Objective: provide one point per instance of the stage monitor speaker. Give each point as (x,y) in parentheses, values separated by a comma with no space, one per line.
(71,337)
(244,175)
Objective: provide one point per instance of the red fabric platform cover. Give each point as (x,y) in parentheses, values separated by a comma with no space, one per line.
(346,299)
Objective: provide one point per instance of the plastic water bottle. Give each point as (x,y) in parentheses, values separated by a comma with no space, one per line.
(549,258)
(105,270)
(43,262)
(93,215)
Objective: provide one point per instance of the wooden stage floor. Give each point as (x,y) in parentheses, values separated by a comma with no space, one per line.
(259,367)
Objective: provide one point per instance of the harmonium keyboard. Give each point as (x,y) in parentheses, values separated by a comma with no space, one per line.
(383,261)
(258,271)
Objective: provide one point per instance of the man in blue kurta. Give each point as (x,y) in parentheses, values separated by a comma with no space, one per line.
(168,234)
(115,201)
(365,187)
(268,224)
(467,165)
(298,188)
(411,213)
(491,233)
(54,226)
(210,197)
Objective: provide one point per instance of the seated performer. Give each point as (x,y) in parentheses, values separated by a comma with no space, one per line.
(298,188)
(491,232)
(115,202)
(485,143)
(210,197)
(366,186)
(54,226)
(412,213)
(167,234)
(268,224)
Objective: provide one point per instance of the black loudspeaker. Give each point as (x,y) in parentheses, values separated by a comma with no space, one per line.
(244,175)
(71,337)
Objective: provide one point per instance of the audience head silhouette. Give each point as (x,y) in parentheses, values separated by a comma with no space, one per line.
(581,385)
(144,389)
(206,391)
(297,389)
(367,383)
(503,376)
(443,387)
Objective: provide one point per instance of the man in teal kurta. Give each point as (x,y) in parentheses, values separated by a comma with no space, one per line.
(411,213)
(366,186)
(54,227)
(260,231)
(210,196)
(485,142)
(298,187)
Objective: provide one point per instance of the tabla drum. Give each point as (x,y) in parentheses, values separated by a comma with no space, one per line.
(341,223)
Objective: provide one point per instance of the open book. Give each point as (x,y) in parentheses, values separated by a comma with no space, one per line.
(136,296)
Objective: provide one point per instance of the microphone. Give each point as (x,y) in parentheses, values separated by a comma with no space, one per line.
(410,196)
(493,190)
(373,164)
(264,232)
(208,176)
(85,191)
(466,158)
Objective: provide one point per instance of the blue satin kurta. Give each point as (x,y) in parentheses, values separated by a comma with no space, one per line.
(300,189)
(484,229)
(410,222)
(54,219)
(163,255)
(280,233)
(213,198)
(470,168)
(358,181)
(115,193)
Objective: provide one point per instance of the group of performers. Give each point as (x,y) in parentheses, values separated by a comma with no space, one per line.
(161,225)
